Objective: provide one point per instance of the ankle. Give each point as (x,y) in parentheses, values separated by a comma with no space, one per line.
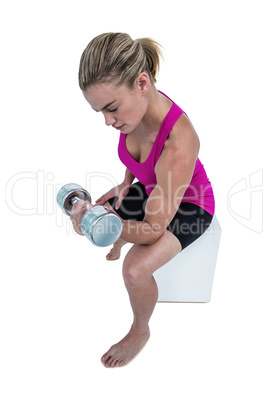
(120,242)
(139,330)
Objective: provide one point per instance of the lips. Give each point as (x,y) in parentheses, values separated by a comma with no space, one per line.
(119,127)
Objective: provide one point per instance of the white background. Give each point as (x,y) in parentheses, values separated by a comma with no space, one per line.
(61,304)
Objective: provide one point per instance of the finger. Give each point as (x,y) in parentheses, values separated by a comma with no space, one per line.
(102,200)
(78,230)
(98,202)
(118,203)
(80,206)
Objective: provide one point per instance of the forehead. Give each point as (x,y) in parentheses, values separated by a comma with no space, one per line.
(98,96)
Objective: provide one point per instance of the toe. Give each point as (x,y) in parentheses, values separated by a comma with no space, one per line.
(108,362)
(105,357)
(113,363)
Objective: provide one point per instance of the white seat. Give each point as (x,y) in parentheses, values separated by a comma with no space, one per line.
(188,277)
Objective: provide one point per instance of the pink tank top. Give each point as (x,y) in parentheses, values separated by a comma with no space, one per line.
(198,192)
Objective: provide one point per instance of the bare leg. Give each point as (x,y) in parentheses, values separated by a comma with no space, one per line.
(139,265)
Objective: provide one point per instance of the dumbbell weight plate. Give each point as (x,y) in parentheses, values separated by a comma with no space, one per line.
(101,226)
(67,193)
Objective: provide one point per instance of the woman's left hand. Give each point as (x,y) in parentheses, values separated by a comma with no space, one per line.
(120,191)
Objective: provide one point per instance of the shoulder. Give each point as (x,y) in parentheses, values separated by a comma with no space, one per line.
(183,136)
(182,142)
(179,155)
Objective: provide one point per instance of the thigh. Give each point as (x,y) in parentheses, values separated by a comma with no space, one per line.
(144,260)
(133,205)
(189,223)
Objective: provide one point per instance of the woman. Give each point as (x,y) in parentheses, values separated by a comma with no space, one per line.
(172,203)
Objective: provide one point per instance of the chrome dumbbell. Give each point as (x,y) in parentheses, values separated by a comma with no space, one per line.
(100,225)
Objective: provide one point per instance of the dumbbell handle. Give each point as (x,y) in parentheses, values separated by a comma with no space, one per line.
(73,200)
(69,194)
(100,225)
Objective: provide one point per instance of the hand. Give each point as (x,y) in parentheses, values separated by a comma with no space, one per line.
(120,191)
(78,211)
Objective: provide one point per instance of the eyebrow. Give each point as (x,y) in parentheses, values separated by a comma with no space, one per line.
(105,107)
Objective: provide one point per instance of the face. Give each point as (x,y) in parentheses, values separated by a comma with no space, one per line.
(123,108)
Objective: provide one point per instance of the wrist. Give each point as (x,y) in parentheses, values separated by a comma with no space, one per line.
(129,177)
(126,183)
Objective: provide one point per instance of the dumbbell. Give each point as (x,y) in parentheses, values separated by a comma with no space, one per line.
(100,225)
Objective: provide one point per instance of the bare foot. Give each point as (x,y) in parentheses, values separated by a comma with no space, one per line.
(123,352)
(115,252)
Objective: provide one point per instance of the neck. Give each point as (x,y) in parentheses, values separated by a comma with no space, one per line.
(157,109)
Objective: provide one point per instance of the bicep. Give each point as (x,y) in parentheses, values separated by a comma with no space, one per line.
(174,172)
(166,197)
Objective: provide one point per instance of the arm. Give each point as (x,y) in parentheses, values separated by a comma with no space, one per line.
(129,177)
(174,171)
(119,191)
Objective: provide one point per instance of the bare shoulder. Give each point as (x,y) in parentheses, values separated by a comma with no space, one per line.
(178,158)
(183,136)
(182,142)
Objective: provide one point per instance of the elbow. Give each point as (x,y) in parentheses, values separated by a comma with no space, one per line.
(151,242)
(154,239)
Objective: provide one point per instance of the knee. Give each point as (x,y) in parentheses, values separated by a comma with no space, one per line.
(132,274)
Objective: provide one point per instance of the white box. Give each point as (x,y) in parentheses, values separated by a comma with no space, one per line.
(188,277)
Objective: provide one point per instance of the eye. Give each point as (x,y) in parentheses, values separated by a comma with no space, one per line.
(112,110)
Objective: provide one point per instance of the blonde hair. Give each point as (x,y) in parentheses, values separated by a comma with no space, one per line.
(116,57)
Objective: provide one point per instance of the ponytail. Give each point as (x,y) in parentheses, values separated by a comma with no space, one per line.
(153,52)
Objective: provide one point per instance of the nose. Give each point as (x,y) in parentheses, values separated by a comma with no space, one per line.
(109,120)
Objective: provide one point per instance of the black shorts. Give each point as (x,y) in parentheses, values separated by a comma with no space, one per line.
(189,223)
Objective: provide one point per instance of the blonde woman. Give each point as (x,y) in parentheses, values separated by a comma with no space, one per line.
(171,203)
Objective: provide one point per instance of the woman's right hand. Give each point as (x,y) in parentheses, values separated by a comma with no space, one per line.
(120,191)
(78,211)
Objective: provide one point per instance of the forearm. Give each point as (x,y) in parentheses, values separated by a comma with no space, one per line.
(129,177)
(140,232)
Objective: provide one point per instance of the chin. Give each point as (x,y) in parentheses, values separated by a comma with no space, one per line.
(125,131)
(129,129)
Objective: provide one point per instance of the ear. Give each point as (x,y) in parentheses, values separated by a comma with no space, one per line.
(143,82)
